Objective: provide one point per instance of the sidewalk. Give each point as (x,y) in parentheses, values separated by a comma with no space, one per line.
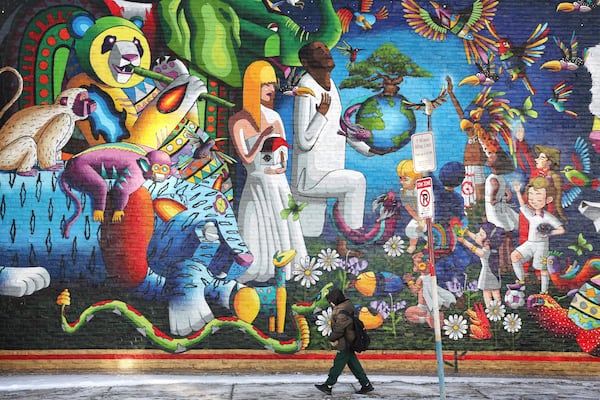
(286,386)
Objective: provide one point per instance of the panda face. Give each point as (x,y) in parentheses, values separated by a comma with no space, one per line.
(114,54)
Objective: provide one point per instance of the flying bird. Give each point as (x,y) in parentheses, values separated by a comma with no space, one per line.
(466,24)
(487,75)
(363,17)
(570,61)
(349,51)
(428,105)
(562,92)
(274,6)
(578,173)
(289,86)
(516,58)
(578,6)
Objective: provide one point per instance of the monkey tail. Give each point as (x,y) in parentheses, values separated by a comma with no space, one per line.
(78,209)
(18,92)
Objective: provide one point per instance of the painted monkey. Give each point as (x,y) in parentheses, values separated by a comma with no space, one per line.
(37,134)
(127,164)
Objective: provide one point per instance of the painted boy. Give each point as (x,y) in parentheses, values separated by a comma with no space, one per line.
(542,224)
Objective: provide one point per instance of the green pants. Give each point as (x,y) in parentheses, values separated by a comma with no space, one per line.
(343,358)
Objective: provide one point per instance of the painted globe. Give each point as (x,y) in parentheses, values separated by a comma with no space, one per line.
(391,123)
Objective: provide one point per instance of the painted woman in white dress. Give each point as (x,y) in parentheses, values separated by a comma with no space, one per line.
(258,136)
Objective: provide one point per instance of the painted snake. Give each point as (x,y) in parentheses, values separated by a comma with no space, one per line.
(180,345)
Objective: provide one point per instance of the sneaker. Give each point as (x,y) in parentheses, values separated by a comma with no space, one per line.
(324,388)
(365,389)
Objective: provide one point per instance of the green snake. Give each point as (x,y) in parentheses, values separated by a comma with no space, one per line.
(180,345)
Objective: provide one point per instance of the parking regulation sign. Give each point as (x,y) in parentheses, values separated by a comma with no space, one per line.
(425,197)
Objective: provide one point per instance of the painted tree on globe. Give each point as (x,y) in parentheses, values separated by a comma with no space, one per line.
(390,122)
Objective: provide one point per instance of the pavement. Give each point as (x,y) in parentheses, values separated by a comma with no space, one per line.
(163,386)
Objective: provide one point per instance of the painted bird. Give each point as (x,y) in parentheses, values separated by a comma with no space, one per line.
(487,75)
(465,24)
(578,6)
(363,17)
(289,86)
(516,58)
(578,173)
(350,52)
(570,61)
(561,93)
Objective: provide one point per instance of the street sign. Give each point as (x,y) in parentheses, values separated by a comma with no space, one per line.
(425,197)
(423,152)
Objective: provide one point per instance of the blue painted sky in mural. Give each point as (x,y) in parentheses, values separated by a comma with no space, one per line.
(514,19)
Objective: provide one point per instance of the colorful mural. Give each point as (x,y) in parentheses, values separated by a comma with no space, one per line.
(198,174)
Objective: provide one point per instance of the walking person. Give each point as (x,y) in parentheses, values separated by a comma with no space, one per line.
(341,338)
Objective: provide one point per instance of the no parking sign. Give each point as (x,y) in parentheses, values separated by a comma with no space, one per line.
(425,197)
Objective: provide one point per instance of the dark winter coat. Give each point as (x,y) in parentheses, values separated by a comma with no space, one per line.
(342,327)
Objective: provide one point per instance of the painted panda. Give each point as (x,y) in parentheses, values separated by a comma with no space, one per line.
(130,107)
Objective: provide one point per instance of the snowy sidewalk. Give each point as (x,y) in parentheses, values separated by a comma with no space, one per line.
(285,386)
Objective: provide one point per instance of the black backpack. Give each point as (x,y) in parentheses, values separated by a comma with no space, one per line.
(362,340)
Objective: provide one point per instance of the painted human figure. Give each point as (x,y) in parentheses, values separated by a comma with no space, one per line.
(258,136)
(543,161)
(485,245)
(319,152)
(542,225)
(421,313)
(498,210)
(415,228)
(473,187)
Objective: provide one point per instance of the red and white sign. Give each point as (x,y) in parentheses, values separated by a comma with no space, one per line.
(425,197)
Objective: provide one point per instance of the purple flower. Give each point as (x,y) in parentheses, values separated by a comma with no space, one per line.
(355,266)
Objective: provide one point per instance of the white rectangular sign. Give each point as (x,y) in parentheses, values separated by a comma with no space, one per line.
(423,152)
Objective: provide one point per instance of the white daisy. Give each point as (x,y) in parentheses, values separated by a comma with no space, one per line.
(496,311)
(324,322)
(512,323)
(394,247)
(455,326)
(329,260)
(307,272)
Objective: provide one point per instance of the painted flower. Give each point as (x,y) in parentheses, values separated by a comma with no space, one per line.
(293,209)
(355,266)
(324,322)
(512,323)
(329,260)
(307,272)
(394,247)
(220,204)
(472,286)
(455,327)
(382,307)
(455,286)
(496,311)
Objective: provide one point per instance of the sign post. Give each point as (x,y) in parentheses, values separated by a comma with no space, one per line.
(424,162)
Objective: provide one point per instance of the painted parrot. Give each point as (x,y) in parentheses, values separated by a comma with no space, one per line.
(578,6)
(465,24)
(516,58)
(363,17)
(487,75)
(578,173)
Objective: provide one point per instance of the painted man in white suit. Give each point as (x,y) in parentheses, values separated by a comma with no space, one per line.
(319,152)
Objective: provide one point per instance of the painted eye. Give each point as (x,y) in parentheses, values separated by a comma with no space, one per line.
(108,43)
(165,169)
(155,168)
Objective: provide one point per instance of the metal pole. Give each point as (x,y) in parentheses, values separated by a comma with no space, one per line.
(436,312)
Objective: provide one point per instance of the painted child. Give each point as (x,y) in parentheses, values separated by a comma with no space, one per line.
(408,197)
(486,243)
(542,224)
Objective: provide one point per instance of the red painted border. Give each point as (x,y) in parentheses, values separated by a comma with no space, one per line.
(246,356)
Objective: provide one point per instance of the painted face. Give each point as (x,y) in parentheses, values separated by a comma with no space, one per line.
(321,57)
(537,198)
(542,161)
(267,93)
(407,182)
(480,237)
